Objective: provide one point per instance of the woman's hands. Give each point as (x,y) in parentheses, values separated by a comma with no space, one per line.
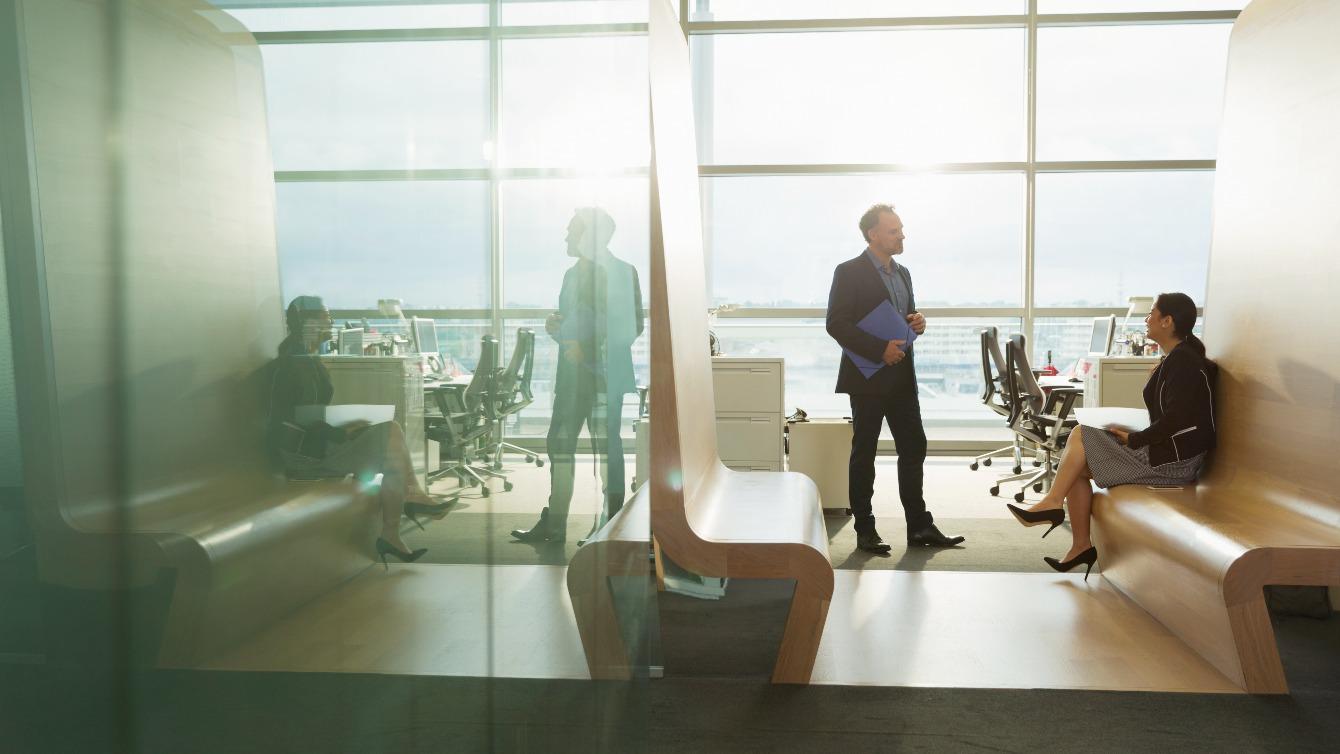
(1121,433)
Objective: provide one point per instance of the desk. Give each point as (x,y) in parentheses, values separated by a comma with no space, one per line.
(387,380)
(1060,380)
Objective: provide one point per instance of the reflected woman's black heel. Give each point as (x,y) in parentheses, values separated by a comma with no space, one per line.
(1053,516)
(1088,558)
(385,548)
(435,511)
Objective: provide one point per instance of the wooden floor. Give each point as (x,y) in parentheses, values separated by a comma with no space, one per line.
(459,620)
(885,628)
(1000,630)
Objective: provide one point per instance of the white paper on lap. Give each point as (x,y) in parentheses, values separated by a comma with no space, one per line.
(340,415)
(1136,419)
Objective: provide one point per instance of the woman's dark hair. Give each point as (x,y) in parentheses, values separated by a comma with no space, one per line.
(299,309)
(1182,309)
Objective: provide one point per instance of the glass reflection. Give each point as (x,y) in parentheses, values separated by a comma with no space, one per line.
(598,319)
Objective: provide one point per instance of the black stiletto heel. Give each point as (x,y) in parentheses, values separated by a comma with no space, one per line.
(385,548)
(1088,558)
(435,511)
(1053,516)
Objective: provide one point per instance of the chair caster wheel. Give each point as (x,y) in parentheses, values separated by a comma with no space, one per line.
(1017,470)
(484,492)
(539,463)
(1037,463)
(474,483)
(986,461)
(1018,497)
(531,459)
(507,486)
(995,491)
(497,466)
(972,467)
(1037,487)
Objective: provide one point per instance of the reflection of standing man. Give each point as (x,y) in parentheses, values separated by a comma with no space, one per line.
(599,316)
(890,394)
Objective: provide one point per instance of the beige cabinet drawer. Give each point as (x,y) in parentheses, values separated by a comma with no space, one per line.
(748,386)
(755,437)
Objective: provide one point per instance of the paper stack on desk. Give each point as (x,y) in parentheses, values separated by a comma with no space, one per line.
(340,415)
(1135,419)
(883,322)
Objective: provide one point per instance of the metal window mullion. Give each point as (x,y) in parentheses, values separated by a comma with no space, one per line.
(802,312)
(495,133)
(471,33)
(1030,173)
(1031,20)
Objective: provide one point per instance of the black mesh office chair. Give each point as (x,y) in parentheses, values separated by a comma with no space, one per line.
(463,427)
(1044,419)
(511,393)
(995,396)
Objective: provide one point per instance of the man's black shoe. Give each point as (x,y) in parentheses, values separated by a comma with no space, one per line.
(870,542)
(931,537)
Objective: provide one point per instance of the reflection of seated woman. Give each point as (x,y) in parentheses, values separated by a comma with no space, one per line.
(1179,396)
(319,450)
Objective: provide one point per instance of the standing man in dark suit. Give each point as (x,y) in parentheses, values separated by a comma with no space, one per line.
(890,394)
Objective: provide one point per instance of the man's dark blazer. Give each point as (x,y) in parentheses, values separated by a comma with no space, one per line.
(857,290)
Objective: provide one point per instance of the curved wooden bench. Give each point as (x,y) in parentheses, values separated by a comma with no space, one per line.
(1197,560)
(1267,512)
(159,477)
(620,550)
(707,518)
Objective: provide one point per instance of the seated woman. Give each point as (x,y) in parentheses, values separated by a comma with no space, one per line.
(318,450)
(1179,396)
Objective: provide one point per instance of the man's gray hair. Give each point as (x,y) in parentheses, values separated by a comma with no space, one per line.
(871,218)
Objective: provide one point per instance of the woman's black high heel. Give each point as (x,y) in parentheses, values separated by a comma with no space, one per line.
(434,511)
(385,548)
(1053,516)
(1088,558)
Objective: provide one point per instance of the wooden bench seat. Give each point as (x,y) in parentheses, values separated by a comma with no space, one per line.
(143,422)
(1267,511)
(619,550)
(240,552)
(709,519)
(1197,560)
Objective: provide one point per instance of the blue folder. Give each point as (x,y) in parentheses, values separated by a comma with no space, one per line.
(884,323)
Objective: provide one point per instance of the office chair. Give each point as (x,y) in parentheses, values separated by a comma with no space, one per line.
(1043,419)
(511,393)
(995,397)
(464,423)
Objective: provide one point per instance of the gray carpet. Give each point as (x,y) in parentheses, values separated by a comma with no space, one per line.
(993,544)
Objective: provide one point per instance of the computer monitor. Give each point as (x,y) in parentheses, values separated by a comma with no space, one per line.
(351,342)
(1100,340)
(423,334)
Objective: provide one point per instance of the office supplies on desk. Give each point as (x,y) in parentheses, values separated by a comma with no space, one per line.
(342,414)
(886,323)
(1136,419)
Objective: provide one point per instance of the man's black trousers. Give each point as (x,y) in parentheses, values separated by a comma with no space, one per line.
(900,408)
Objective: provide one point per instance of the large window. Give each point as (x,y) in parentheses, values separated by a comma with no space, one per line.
(774,241)
(1047,167)
(862,97)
